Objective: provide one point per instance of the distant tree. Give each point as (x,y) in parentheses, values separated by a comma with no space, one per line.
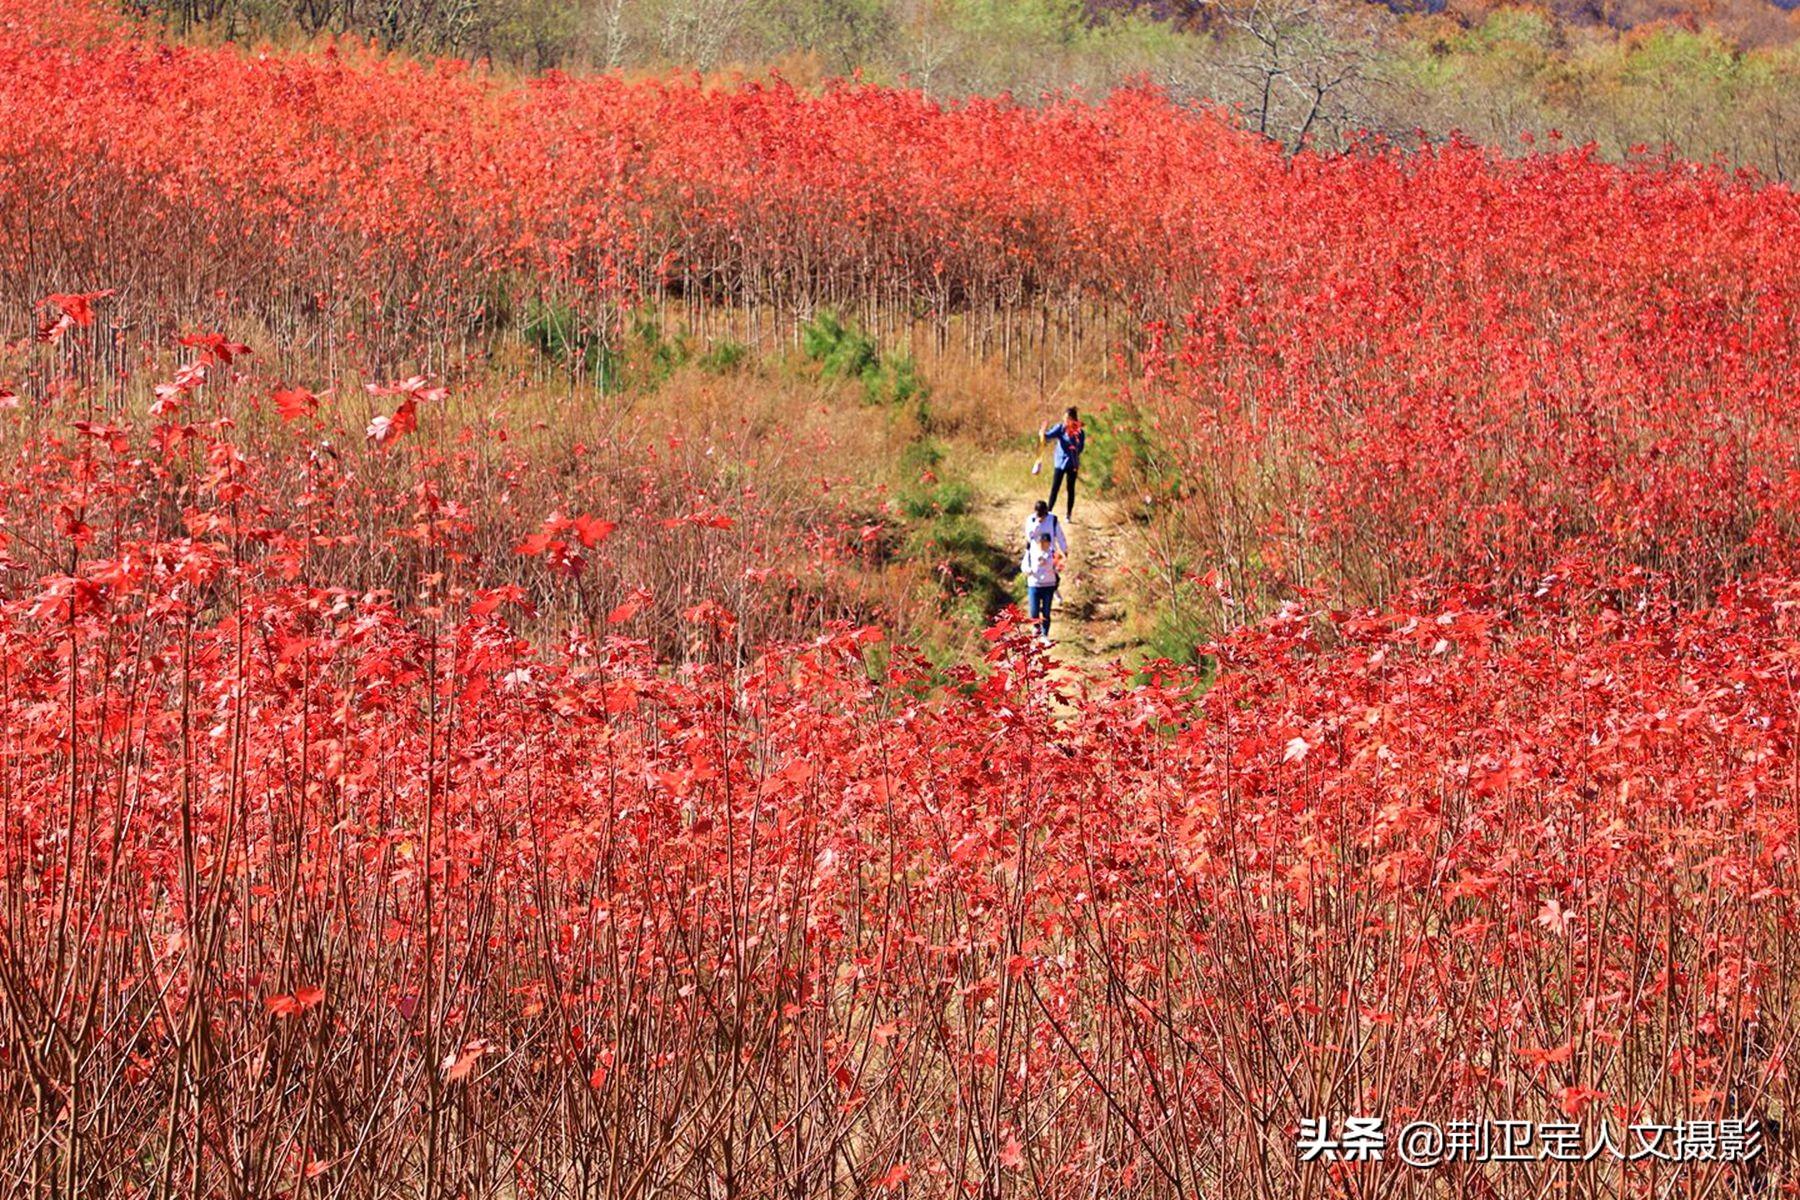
(846,34)
(696,33)
(534,33)
(612,37)
(1296,69)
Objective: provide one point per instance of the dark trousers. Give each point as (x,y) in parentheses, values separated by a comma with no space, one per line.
(1040,606)
(1056,482)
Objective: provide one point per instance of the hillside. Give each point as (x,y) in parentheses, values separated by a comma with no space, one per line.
(1715,78)
(1753,16)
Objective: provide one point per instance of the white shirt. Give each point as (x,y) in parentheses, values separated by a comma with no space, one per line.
(1040,566)
(1035,525)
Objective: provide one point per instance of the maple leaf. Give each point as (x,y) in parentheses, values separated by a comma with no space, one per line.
(1574,1099)
(289,1004)
(458,1063)
(630,607)
(217,346)
(294,403)
(385,429)
(115,437)
(72,309)
(489,600)
(591,531)
(1537,1056)
(415,389)
(709,612)
(602,1069)
(1554,917)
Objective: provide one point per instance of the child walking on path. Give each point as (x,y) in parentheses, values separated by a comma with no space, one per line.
(1042,567)
(1042,521)
(1070,441)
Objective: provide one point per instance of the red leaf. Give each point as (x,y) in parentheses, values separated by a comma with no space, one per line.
(591,531)
(490,599)
(458,1063)
(710,612)
(630,607)
(383,430)
(295,1003)
(73,309)
(294,403)
(114,437)
(1538,1056)
(413,389)
(216,345)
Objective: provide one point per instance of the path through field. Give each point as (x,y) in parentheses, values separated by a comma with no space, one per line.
(1088,623)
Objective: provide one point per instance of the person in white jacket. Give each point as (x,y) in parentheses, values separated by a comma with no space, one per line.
(1042,520)
(1042,566)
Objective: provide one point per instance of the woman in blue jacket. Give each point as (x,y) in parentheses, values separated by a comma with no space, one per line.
(1071,440)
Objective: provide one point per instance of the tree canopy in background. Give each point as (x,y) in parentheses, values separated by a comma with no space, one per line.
(1625,74)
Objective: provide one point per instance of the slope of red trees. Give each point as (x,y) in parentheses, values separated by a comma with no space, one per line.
(1388,363)
(344,193)
(1484,368)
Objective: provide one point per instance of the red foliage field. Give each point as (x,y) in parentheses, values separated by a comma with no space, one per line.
(1483,370)
(397,798)
(364,208)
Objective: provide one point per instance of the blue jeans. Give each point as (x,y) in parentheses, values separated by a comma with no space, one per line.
(1056,482)
(1040,606)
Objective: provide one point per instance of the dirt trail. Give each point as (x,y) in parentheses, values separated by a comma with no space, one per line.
(1087,625)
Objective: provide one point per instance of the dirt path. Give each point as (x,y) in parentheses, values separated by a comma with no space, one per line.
(1087,625)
